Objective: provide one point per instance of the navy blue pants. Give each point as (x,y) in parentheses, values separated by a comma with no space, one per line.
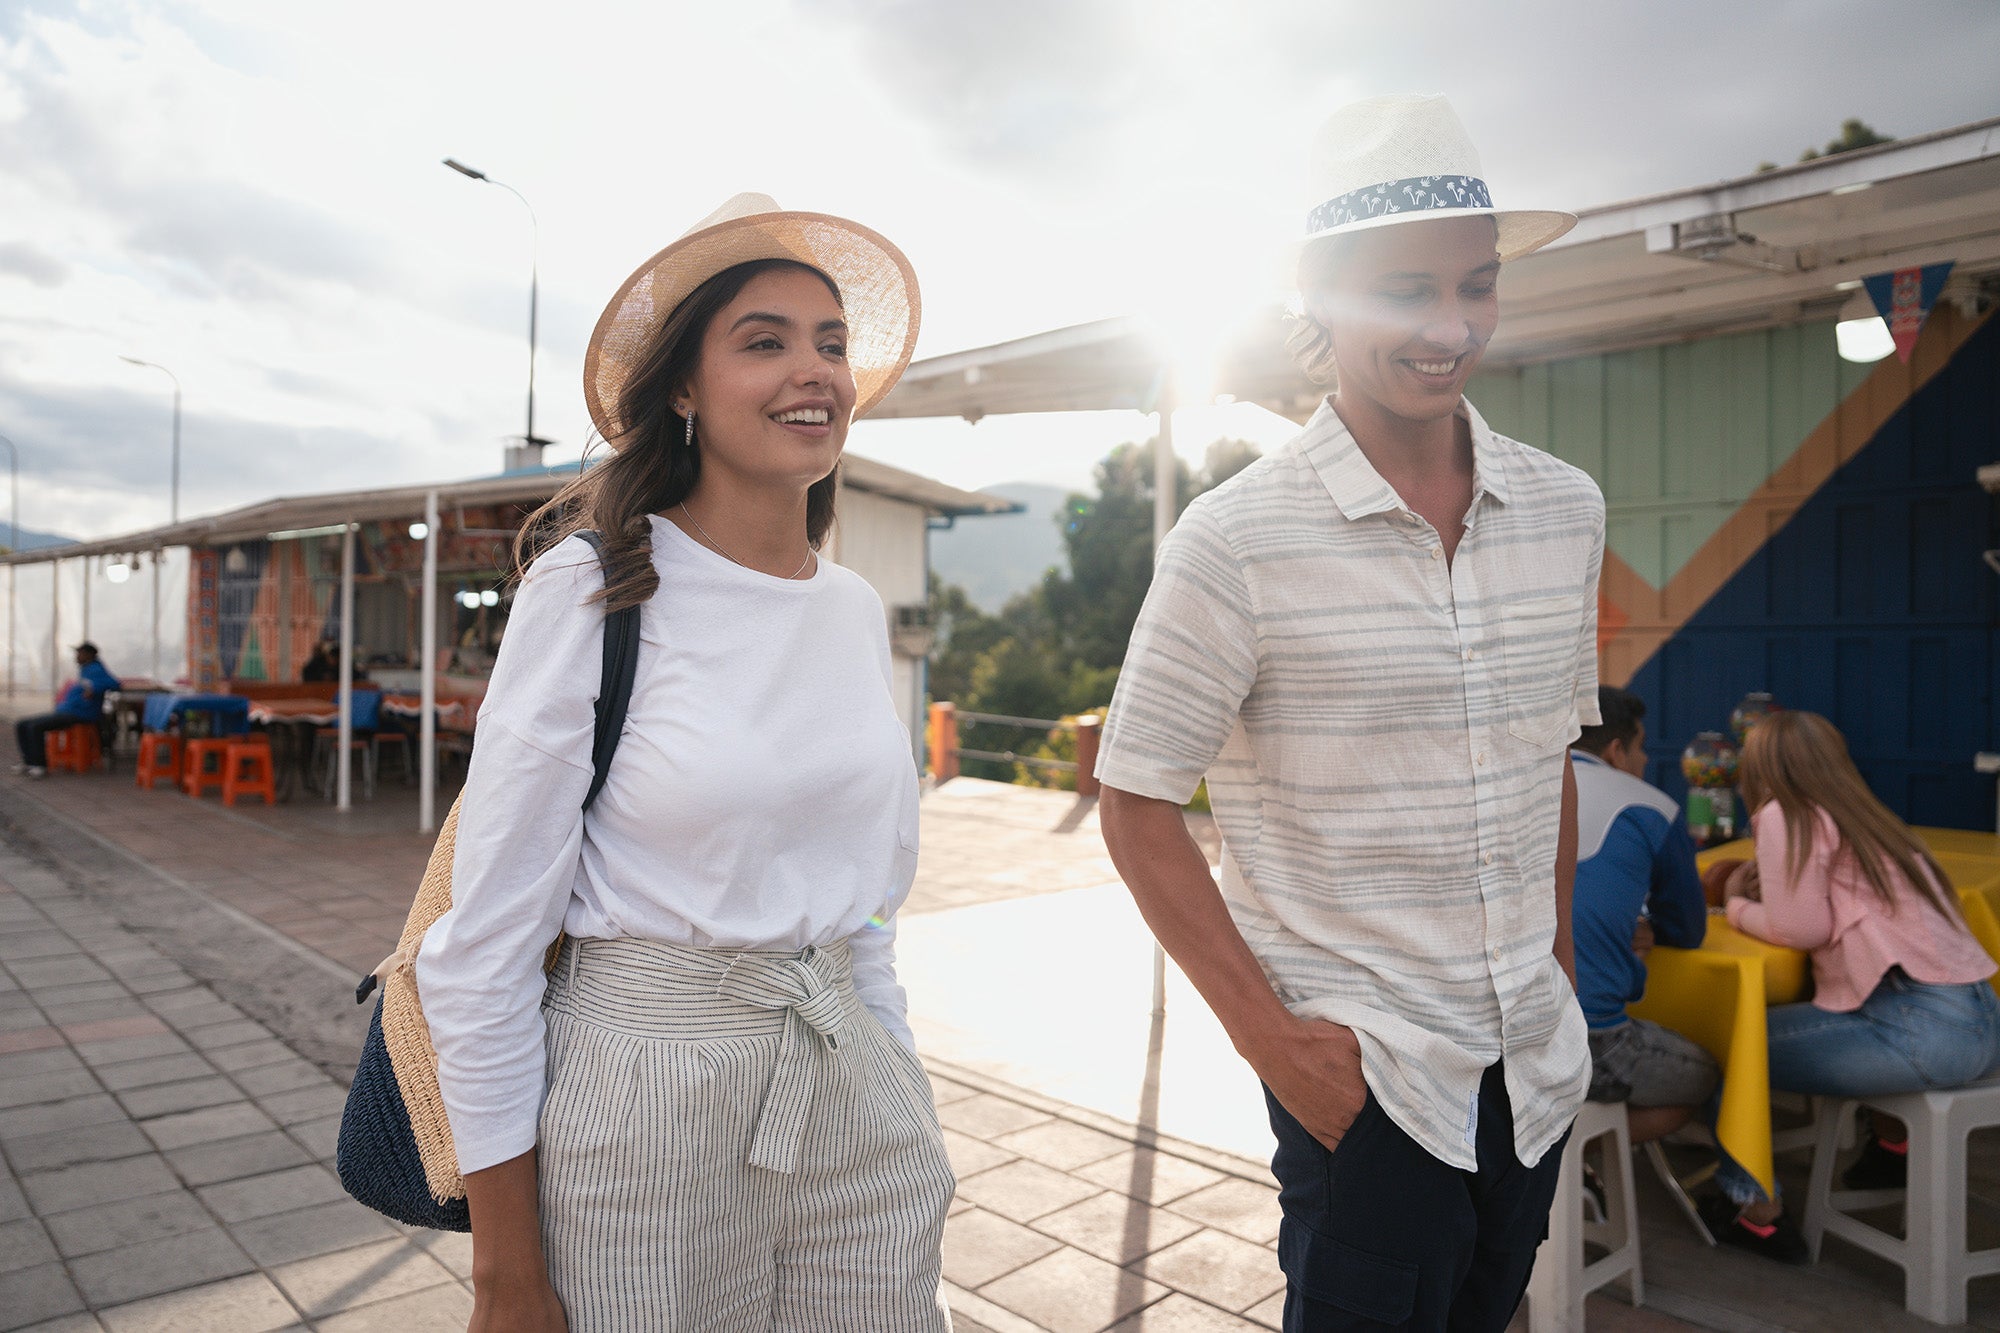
(1379,1234)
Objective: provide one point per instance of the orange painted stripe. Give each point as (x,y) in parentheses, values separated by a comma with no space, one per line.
(1650,616)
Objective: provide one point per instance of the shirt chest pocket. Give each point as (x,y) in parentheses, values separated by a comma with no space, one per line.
(1538,655)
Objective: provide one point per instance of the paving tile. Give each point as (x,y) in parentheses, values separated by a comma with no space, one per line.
(32,1035)
(453,1249)
(70,1147)
(161,1099)
(170,1002)
(438,1307)
(1072,1292)
(38,1060)
(64,971)
(115,1029)
(228,1034)
(970,1156)
(944,1091)
(47,1117)
(1062,1144)
(320,1137)
(100,1053)
(301,1234)
(13,1203)
(97,1182)
(268,1079)
(106,1226)
(84,1322)
(249,1304)
(986,1116)
(1240,1207)
(252,1054)
(1116,1227)
(1218,1268)
(156,983)
(305,1104)
(153,1267)
(69,1015)
(34,1295)
(51,997)
(1024,1191)
(335,1282)
(1156,1177)
(1271,1313)
(980,1246)
(52,1086)
(23,1244)
(1180,1314)
(273,1192)
(159,1069)
(231,1159)
(229,1121)
(205,1015)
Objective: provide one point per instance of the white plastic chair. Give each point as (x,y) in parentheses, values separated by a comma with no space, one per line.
(1562,1278)
(1932,1250)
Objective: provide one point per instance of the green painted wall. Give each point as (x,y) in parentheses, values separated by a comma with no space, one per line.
(1677,436)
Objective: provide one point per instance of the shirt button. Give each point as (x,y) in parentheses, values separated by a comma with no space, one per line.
(1488,858)
(1437,552)
(1468,654)
(1496,953)
(1480,760)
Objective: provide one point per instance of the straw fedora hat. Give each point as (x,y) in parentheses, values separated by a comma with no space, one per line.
(877,287)
(1388,160)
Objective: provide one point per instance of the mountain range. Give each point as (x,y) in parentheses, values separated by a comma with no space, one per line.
(995,557)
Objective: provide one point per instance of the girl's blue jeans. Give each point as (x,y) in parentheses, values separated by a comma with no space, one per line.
(1906,1037)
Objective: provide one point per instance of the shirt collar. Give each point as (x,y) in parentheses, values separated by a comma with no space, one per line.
(1585,757)
(1358,489)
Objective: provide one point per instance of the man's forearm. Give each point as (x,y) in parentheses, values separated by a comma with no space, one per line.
(1565,946)
(1169,880)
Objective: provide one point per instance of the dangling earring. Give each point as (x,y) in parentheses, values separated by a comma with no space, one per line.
(689,440)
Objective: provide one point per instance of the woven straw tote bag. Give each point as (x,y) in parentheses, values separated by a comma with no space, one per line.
(395,1152)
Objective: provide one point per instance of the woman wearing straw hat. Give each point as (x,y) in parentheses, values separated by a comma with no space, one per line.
(714,1118)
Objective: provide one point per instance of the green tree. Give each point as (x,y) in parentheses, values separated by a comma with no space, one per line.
(1854,133)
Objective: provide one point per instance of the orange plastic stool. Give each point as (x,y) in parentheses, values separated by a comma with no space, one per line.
(196,775)
(159,757)
(73,748)
(246,770)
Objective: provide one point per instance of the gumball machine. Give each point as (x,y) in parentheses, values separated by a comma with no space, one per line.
(1754,708)
(1709,765)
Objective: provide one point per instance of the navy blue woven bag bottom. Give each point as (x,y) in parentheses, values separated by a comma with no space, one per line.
(377,1157)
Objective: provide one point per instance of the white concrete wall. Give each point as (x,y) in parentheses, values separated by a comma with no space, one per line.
(120,619)
(882,540)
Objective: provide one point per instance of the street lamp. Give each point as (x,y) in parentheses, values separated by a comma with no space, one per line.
(174,512)
(534,282)
(13,545)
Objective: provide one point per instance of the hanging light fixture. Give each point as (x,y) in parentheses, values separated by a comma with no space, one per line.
(1862,335)
(118,571)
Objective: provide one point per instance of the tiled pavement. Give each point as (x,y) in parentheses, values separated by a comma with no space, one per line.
(167,1156)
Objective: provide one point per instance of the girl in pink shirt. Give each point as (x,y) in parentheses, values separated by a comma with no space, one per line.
(1901,999)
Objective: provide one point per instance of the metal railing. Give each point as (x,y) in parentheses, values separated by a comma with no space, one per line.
(945,751)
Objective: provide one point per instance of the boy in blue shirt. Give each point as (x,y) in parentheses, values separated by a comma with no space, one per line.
(81,701)
(1636,883)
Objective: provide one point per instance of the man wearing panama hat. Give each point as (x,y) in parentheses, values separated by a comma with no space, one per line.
(1376,645)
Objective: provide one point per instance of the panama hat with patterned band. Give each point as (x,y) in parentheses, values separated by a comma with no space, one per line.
(1386,160)
(877,287)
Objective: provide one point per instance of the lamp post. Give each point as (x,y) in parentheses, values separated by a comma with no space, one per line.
(174,511)
(531,440)
(13,545)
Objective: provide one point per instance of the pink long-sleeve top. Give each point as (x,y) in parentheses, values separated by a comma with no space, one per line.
(1830,909)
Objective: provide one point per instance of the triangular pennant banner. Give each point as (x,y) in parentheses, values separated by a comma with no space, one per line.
(1904,297)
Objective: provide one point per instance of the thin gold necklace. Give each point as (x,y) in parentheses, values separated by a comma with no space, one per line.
(732,559)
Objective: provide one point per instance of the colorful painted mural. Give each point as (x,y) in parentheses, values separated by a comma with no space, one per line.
(1779,519)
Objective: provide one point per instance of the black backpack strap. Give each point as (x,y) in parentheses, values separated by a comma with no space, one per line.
(614,687)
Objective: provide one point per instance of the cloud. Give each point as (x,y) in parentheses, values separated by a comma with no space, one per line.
(33,263)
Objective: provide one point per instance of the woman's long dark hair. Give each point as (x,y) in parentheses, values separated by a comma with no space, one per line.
(652,469)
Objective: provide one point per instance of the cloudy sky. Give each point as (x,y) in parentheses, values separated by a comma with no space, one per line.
(250,191)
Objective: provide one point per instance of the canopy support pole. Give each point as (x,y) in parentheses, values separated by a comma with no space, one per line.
(427,726)
(154,669)
(346,758)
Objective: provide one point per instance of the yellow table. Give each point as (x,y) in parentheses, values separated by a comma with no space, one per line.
(1717,995)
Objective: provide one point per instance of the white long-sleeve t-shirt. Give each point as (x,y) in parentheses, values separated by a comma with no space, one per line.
(763,796)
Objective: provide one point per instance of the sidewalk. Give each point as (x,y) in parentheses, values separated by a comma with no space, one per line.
(174,1041)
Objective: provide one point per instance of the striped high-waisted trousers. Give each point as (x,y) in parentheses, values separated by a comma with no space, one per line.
(731,1142)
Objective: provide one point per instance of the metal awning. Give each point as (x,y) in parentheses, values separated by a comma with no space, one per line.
(295,514)
(1760,251)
